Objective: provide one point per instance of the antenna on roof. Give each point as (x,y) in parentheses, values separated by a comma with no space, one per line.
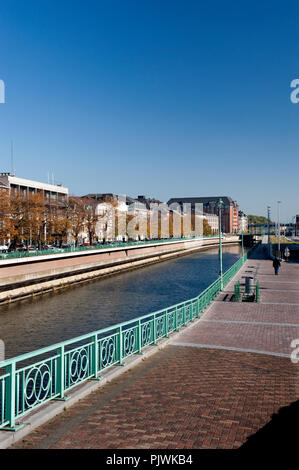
(53,179)
(11,157)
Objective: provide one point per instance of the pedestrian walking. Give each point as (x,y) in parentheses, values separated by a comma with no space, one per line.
(276,265)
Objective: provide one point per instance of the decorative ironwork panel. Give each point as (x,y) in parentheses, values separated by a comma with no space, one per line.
(147,331)
(78,365)
(188,313)
(130,345)
(35,385)
(180,316)
(170,321)
(160,326)
(108,351)
(195,309)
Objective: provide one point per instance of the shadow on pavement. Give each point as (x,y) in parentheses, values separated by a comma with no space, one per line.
(281,433)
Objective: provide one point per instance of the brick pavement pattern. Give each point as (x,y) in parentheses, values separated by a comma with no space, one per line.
(191,396)
(180,398)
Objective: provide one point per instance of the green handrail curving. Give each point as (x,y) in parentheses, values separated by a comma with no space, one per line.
(25,385)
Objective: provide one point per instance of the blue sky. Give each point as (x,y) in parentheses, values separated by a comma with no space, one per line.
(162,98)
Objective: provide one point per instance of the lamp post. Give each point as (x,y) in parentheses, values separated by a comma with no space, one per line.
(242,230)
(278,227)
(268,217)
(220,203)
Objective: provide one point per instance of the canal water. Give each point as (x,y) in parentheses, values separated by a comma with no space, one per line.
(74,311)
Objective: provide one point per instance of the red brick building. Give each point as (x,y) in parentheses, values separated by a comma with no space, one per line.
(229,212)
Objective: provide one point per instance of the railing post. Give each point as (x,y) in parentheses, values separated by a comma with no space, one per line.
(120,334)
(139,337)
(166,325)
(10,398)
(61,374)
(176,318)
(155,332)
(184,315)
(95,355)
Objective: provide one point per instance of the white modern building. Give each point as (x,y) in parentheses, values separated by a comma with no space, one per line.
(50,192)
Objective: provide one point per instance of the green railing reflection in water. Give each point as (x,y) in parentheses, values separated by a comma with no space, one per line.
(26,385)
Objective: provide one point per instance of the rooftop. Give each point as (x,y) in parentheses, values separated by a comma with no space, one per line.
(204,200)
(8,178)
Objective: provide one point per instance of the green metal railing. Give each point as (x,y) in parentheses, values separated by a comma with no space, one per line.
(25,384)
(243,296)
(257,291)
(74,249)
(237,291)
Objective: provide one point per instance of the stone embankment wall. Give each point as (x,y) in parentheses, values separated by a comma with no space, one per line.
(25,277)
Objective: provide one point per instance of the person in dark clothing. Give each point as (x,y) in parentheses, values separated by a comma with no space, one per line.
(276,265)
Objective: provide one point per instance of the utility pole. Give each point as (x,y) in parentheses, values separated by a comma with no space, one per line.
(11,157)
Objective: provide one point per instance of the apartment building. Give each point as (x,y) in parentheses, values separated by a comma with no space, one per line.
(229,211)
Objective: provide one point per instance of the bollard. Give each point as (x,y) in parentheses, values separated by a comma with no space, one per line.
(249,286)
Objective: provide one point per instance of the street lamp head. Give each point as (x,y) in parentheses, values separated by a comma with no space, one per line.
(220,202)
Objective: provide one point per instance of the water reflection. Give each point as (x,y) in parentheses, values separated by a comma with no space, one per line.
(77,310)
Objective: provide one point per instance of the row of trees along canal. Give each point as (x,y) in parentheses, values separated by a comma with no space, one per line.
(30,219)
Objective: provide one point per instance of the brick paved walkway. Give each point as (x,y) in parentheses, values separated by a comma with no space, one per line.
(217,384)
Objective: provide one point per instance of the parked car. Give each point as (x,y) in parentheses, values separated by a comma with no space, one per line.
(32,248)
(46,247)
(3,248)
(20,247)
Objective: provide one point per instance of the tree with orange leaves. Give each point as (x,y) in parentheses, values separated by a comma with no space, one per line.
(5,220)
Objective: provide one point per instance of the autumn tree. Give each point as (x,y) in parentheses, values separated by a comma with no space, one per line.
(34,222)
(76,214)
(90,218)
(207,231)
(18,217)
(60,221)
(6,227)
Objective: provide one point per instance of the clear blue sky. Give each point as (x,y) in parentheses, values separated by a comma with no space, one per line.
(156,97)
